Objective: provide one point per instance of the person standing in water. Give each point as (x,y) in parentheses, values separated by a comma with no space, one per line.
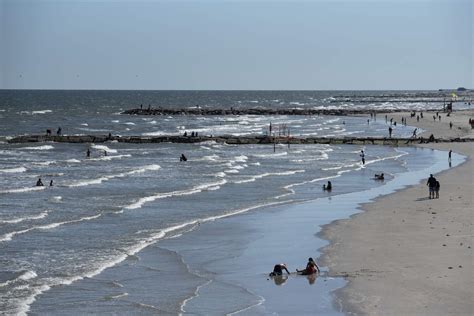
(362,156)
(39,183)
(88,153)
(449,155)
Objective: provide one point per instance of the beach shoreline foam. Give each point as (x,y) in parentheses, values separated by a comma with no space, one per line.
(406,254)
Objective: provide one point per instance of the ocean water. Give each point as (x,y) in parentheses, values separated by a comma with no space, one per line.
(116,208)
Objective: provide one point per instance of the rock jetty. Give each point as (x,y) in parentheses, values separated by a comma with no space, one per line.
(250,111)
(229,139)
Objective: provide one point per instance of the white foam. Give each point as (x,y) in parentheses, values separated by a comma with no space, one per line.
(84,124)
(271,155)
(9,236)
(26,218)
(41,112)
(196,189)
(13,170)
(119,175)
(21,190)
(110,157)
(45,163)
(129,123)
(73,161)
(103,147)
(24,276)
(269,174)
(44,147)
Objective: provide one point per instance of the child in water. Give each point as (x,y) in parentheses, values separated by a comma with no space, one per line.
(311,268)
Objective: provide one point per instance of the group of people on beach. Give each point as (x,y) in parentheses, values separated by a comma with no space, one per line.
(310,269)
(433,187)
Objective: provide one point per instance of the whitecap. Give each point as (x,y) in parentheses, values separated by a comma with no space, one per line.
(103,147)
(13,170)
(26,218)
(44,147)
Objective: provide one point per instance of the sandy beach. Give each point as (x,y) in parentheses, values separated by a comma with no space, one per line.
(408,254)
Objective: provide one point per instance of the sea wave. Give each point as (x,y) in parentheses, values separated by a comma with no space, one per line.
(103,147)
(23,275)
(196,189)
(43,147)
(10,235)
(21,190)
(269,174)
(119,175)
(13,170)
(26,218)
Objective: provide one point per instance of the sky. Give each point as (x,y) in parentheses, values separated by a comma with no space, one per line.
(236,45)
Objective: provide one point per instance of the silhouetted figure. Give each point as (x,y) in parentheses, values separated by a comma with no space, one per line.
(431,138)
(450,125)
(185,134)
(105,153)
(39,183)
(327,187)
(59,131)
(48,132)
(362,156)
(183,158)
(88,153)
(51,183)
(437,185)
(379,176)
(390,130)
(414,133)
(431,183)
(449,155)
(278,269)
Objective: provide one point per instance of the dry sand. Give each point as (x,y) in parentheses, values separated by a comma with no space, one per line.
(407,254)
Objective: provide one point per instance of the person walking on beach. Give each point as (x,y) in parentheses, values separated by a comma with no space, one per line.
(390,130)
(450,125)
(362,156)
(278,269)
(414,133)
(437,185)
(449,155)
(431,183)
(311,268)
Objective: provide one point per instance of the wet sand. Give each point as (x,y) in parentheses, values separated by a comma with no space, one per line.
(408,254)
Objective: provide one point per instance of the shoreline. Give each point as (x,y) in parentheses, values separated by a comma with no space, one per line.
(415,259)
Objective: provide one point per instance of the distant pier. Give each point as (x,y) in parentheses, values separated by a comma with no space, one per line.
(229,139)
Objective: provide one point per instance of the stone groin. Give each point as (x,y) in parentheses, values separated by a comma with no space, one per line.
(251,111)
(229,139)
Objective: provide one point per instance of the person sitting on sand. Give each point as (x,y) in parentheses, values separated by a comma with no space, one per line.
(278,269)
(39,183)
(327,187)
(311,268)
(379,176)
(183,158)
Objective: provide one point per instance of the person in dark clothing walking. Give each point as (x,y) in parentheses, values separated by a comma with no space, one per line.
(431,183)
